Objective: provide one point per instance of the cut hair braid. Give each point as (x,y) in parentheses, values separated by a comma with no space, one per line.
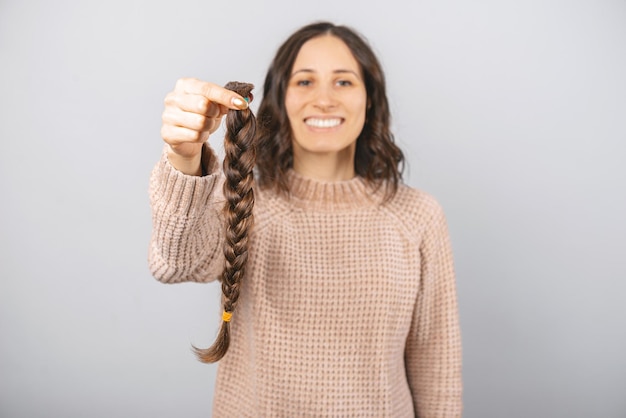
(239,161)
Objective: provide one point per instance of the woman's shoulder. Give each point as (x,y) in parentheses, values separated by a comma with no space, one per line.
(269,205)
(416,198)
(415,208)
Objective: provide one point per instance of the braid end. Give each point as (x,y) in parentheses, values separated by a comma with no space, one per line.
(219,348)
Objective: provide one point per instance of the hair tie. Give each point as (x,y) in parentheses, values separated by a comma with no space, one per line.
(226,316)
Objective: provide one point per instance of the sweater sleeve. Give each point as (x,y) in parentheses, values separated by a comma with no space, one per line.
(433,349)
(186,240)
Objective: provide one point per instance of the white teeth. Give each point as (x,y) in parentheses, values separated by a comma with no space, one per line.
(323,123)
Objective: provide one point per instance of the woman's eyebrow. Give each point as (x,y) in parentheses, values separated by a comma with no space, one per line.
(338,71)
(303,70)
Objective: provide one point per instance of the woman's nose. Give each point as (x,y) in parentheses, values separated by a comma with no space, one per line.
(325,98)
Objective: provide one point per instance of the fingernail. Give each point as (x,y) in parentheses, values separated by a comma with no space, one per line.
(241,104)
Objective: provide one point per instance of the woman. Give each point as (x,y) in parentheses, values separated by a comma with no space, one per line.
(348,305)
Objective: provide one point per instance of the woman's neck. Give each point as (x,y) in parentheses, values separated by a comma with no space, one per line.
(335,166)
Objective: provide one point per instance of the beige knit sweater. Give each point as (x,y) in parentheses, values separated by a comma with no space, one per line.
(349,305)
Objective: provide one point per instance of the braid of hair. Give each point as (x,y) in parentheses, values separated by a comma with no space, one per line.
(239,161)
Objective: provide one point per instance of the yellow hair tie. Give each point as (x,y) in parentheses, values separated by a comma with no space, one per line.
(226,316)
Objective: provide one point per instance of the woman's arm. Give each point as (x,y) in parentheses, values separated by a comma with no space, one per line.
(433,349)
(186,242)
(187,224)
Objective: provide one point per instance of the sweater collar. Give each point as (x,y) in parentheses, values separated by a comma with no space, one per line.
(309,193)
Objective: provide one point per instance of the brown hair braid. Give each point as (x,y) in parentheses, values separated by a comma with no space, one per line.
(240,156)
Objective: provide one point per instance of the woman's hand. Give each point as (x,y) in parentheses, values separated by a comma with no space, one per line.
(193,111)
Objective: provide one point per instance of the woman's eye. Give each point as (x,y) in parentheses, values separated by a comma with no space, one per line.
(303,83)
(344,83)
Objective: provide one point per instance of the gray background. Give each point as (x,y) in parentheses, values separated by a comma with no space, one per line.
(512,113)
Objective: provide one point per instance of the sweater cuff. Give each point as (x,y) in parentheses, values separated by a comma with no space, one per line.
(178,193)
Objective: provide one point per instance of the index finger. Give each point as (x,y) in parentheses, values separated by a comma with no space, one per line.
(212,92)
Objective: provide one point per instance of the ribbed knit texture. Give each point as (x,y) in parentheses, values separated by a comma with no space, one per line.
(349,305)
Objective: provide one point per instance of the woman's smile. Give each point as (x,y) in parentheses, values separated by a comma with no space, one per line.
(323,123)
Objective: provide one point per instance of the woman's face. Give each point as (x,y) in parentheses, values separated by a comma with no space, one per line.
(325,99)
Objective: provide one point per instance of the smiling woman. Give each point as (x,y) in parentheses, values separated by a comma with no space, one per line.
(326,103)
(347,306)
(377,158)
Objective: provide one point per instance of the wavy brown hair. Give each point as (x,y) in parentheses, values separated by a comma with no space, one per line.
(378,159)
(239,147)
